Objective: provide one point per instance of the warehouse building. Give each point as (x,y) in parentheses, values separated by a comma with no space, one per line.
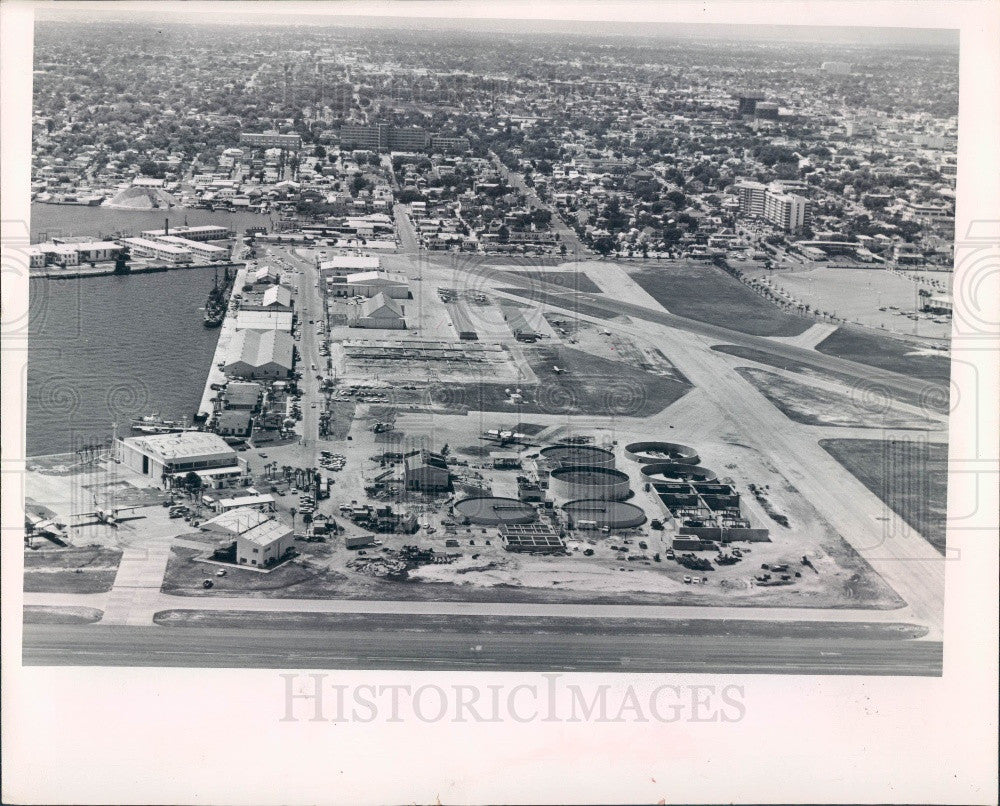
(264,545)
(160,455)
(242,396)
(349,264)
(259,354)
(264,320)
(426,471)
(379,312)
(368,284)
(207,232)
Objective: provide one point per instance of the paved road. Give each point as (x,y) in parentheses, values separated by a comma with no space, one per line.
(94,645)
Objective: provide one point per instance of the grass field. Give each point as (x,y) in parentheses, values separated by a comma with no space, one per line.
(810,405)
(521,624)
(560,300)
(705,293)
(885,352)
(934,403)
(42,614)
(589,385)
(70,570)
(911,478)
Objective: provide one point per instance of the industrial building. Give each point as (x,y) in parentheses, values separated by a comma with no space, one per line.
(155,250)
(426,471)
(494,511)
(378,312)
(575,482)
(159,455)
(264,320)
(368,284)
(264,545)
(206,232)
(206,251)
(598,514)
(536,538)
(260,354)
(569,455)
(349,264)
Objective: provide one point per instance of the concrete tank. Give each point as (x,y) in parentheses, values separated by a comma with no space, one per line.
(610,514)
(674,471)
(574,482)
(577,456)
(491,511)
(661,452)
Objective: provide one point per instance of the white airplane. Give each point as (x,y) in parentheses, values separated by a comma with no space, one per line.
(109,516)
(557,369)
(37,526)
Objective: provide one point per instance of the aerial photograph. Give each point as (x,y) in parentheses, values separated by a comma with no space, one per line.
(397,344)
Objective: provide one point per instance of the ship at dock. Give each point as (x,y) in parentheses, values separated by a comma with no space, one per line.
(154,424)
(218,299)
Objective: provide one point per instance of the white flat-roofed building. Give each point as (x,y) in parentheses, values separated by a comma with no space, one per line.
(218,477)
(143,247)
(264,545)
(263,320)
(207,232)
(97,251)
(260,354)
(203,250)
(350,264)
(159,455)
(261,501)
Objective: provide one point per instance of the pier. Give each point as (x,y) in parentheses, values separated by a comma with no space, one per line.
(226,334)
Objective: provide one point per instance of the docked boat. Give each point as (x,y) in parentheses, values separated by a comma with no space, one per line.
(154,424)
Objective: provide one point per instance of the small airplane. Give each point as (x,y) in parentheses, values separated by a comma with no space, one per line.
(557,369)
(37,526)
(111,517)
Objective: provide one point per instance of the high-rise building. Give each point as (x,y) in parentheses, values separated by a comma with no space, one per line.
(271,139)
(751,196)
(748,103)
(786,210)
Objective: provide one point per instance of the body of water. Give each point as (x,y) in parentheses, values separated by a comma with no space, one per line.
(106,349)
(55,220)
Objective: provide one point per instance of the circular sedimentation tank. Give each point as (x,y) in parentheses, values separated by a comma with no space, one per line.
(492,511)
(577,456)
(674,471)
(648,453)
(576,482)
(609,514)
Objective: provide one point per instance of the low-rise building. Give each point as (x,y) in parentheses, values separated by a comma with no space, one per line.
(426,471)
(159,455)
(260,354)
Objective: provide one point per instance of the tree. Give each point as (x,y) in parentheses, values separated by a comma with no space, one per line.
(604,245)
(192,481)
(503,234)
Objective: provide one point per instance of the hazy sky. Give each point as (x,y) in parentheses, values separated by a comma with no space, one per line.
(499,17)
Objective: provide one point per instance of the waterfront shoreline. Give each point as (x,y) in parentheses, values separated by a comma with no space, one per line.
(102,271)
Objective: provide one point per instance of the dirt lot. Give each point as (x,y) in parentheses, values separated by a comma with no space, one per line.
(573,280)
(812,405)
(588,384)
(70,570)
(909,477)
(705,293)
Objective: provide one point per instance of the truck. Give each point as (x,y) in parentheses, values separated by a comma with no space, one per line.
(358,541)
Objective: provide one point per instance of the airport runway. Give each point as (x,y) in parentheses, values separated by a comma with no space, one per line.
(558,297)
(363,648)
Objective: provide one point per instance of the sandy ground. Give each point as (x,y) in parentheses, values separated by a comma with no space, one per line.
(857,295)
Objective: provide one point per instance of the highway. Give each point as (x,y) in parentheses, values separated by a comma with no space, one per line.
(363,648)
